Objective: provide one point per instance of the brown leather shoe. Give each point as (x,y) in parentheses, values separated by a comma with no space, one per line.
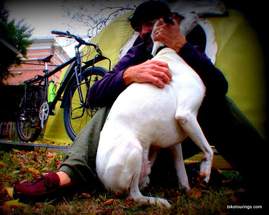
(42,187)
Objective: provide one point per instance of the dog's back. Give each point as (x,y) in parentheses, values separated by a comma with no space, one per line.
(143,115)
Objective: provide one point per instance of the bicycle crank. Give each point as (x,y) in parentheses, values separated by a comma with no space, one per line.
(43,113)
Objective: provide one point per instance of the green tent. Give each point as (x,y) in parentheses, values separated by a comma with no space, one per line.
(238,55)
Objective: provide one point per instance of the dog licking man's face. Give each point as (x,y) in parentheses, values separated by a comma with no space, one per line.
(147,27)
(161,26)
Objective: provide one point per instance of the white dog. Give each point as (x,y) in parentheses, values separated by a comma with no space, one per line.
(144,116)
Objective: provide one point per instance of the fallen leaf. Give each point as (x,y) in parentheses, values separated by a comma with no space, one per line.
(129,202)
(109,202)
(195,193)
(9,191)
(85,195)
(3,194)
(14,203)
(33,171)
(51,155)
(2,164)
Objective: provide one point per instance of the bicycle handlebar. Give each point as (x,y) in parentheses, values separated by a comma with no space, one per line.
(77,38)
(60,33)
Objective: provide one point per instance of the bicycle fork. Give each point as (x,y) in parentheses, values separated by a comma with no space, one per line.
(44,108)
(77,73)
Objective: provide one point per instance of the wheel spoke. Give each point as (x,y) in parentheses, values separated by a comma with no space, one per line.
(76,115)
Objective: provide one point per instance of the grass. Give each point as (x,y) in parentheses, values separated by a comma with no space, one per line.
(16,165)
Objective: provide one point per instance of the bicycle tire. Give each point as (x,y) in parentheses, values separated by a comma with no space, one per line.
(28,123)
(76,115)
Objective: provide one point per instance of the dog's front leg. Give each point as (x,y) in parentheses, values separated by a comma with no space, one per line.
(183,181)
(143,163)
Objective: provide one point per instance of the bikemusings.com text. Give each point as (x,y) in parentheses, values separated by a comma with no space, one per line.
(245,207)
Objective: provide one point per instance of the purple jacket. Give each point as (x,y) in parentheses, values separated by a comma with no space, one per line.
(105,91)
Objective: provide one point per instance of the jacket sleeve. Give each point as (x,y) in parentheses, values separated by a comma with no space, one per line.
(105,91)
(215,82)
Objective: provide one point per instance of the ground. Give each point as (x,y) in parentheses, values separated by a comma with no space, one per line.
(224,190)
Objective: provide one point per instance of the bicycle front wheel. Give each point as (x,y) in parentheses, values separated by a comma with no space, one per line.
(76,114)
(28,123)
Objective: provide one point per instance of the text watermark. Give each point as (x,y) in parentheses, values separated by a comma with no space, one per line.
(245,207)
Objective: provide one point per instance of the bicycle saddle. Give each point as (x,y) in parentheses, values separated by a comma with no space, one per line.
(43,60)
(46,59)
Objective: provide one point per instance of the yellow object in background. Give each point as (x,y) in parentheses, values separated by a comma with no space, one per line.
(51,91)
(110,41)
(239,57)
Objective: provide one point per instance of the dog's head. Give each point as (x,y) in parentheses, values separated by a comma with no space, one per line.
(187,22)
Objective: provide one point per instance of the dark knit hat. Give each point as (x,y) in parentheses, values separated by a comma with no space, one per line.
(148,11)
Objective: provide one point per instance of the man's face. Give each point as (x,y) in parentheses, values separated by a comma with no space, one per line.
(146,29)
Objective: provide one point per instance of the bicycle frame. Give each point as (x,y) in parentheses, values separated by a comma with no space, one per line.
(68,76)
(48,73)
(32,120)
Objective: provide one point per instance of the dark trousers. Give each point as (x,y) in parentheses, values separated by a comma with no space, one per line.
(236,140)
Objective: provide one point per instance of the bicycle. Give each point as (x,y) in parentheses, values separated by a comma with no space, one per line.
(35,107)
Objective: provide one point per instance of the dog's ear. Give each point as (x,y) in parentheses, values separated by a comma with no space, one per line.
(178,17)
(156,44)
(188,23)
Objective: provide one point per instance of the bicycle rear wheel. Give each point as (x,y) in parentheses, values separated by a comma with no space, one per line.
(76,115)
(28,122)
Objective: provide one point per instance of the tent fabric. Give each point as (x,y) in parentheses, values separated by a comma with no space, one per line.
(110,40)
(239,56)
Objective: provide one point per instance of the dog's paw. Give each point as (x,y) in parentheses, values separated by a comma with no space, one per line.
(205,169)
(147,200)
(202,182)
(184,187)
(162,203)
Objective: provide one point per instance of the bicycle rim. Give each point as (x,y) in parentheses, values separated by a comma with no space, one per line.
(76,115)
(28,122)
(28,129)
